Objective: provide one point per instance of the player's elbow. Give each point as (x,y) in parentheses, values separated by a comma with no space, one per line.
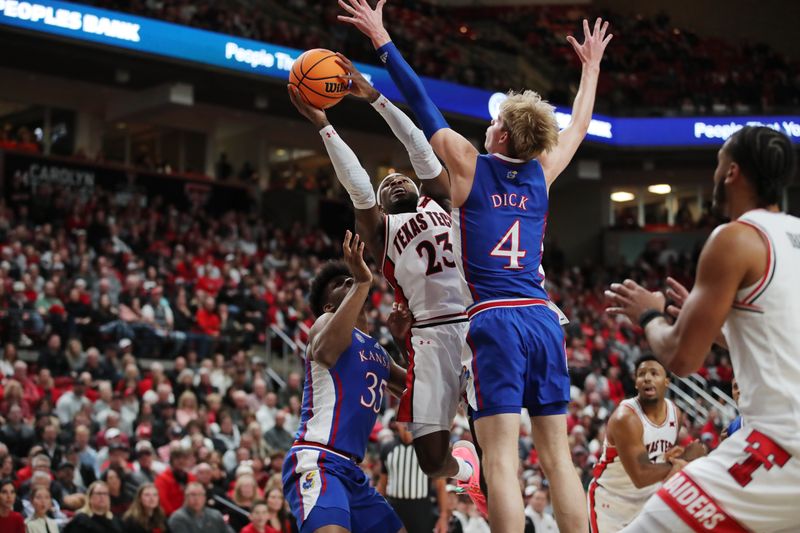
(639,482)
(682,367)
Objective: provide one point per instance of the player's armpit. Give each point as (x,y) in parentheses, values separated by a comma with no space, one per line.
(460,158)
(370,226)
(439,189)
(554,162)
(733,257)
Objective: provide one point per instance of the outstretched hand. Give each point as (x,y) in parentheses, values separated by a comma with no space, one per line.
(368,21)
(359,86)
(594,43)
(353,249)
(314,114)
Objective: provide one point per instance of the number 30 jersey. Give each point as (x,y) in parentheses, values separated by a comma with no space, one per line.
(341,403)
(421,264)
(500,228)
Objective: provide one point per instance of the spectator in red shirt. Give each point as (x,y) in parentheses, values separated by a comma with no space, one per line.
(207,317)
(172,482)
(616,392)
(10,520)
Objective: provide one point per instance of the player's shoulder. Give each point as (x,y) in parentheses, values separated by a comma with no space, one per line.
(736,239)
(732,233)
(625,417)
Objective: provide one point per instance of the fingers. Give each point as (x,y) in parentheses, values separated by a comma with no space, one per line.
(597,24)
(619,290)
(342,60)
(673,311)
(614,311)
(349,20)
(607,39)
(347,7)
(379,6)
(677,287)
(586,31)
(348,235)
(604,29)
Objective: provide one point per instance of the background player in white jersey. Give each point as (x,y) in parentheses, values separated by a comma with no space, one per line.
(410,234)
(639,451)
(747,287)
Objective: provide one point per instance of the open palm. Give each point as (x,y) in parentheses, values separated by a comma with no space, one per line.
(594,43)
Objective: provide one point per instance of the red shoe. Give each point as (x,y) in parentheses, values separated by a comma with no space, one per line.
(466,451)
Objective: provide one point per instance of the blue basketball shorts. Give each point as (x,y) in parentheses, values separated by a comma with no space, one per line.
(516,358)
(324,488)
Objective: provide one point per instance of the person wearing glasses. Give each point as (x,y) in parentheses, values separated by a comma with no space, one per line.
(95,516)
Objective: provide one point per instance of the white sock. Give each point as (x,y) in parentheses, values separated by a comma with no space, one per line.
(465,470)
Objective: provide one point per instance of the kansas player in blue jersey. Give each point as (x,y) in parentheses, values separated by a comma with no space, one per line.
(347,374)
(518,357)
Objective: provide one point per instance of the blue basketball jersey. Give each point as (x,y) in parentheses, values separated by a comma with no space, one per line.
(501,227)
(341,403)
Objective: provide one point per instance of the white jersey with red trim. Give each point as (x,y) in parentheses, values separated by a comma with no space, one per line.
(610,473)
(763,333)
(420,263)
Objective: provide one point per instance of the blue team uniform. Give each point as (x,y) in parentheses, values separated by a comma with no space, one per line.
(517,343)
(321,478)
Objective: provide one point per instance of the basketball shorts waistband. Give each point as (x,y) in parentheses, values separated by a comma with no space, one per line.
(453,318)
(477,308)
(301,445)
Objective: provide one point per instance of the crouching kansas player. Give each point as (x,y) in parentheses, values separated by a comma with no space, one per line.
(347,372)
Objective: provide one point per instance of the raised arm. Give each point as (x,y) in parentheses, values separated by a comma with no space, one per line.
(350,173)
(458,154)
(435,180)
(332,333)
(625,433)
(571,137)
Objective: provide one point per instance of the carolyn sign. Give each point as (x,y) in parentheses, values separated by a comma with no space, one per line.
(163,39)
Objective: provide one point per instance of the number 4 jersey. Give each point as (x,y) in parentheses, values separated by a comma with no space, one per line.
(341,403)
(421,264)
(500,228)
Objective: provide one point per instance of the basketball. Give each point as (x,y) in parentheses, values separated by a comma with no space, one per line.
(319,78)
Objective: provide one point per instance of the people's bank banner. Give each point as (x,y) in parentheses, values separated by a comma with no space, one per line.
(164,39)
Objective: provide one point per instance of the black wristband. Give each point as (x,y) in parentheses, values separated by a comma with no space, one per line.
(648,316)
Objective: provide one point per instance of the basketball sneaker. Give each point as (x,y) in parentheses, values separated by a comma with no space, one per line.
(466,451)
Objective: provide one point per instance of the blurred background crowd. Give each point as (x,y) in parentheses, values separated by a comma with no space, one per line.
(136,351)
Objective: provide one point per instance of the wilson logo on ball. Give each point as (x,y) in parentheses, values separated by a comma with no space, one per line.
(333,87)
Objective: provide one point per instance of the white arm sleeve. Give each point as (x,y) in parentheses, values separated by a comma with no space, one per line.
(425,163)
(348,169)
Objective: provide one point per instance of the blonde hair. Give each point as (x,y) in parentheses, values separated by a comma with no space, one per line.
(187,396)
(237,489)
(87,507)
(531,124)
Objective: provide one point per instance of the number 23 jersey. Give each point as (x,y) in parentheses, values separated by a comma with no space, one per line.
(421,264)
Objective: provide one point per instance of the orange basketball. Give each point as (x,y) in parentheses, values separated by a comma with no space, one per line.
(319,78)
